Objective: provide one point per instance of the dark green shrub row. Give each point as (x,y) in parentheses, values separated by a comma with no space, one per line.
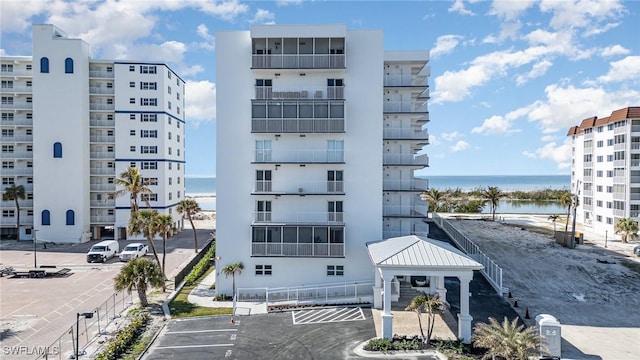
(202,266)
(125,339)
(397,344)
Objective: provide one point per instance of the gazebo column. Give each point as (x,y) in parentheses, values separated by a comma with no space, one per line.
(440,289)
(432,285)
(387,317)
(464,318)
(377,290)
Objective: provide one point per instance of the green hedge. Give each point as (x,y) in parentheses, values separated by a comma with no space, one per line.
(125,339)
(201,267)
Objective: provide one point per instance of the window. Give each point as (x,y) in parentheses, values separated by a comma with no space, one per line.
(150,181)
(71,217)
(46,217)
(109,85)
(132,132)
(335,150)
(178,96)
(169,166)
(110,117)
(178,179)
(149,165)
(149,197)
(178,109)
(263,180)
(68,66)
(169,150)
(7,148)
(178,138)
(7,181)
(148,149)
(149,118)
(7,100)
(599,188)
(132,100)
(8,67)
(178,153)
(147,69)
(132,68)
(149,133)
(57,150)
(29,99)
(598,158)
(178,166)
(263,210)
(169,134)
(609,189)
(609,221)
(132,164)
(148,85)
(599,173)
(263,270)
(132,84)
(8,164)
(7,116)
(169,104)
(44,65)
(609,173)
(263,150)
(148,101)
(334,181)
(610,142)
(109,148)
(109,101)
(29,148)
(169,74)
(170,195)
(609,205)
(29,83)
(178,196)
(609,157)
(335,270)
(7,84)
(334,210)
(132,148)
(599,218)
(8,213)
(7,132)
(169,89)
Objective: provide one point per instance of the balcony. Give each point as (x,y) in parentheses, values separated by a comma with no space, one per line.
(103,203)
(102,171)
(588,193)
(101,74)
(17,138)
(620,146)
(301,217)
(619,213)
(102,155)
(103,219)
(18,155)
(405,211)
(101,122)
(11,204)
(587,179)
(397,233)
(405,185)
(16,90)
(588,136)
(11,221)
(96,106)
(300,156)
(297,249)
(18,120)
(299,188)
(317,93)
(17,73)
(406,80)
(619,196)
(619,163)
(17,171)
(17,106)
(101,90)
(618,130)
(406,159)
(297,126)
(588,164)
(588,207)
(405,134)
(102,187)
(405,107)
(297,116)
(102,139)
(619,180)
(298,61)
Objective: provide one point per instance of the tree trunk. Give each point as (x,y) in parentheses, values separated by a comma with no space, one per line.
(164,255)
(142,295)
(195,234)
(566,227)
(233,283)
(18,219)
(420,325)
(155,253)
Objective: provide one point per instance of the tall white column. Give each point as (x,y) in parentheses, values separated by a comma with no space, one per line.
(464,318)
(377,289)
(387,317)
(440,289)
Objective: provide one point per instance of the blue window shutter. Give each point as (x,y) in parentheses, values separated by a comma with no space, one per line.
(68,66)
(46,217)
(57,150)
(71,217)
(44,65)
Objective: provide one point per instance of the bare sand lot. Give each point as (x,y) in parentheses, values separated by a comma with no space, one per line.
(594,295)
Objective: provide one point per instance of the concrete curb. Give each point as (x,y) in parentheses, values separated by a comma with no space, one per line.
(165,304)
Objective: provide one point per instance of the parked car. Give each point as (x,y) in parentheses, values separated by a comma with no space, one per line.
(133,251)
(103,251)
(636,250)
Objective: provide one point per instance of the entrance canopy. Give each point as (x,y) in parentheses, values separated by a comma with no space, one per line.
(413,256)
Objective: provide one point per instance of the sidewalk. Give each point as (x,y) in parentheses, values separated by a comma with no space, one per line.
(202,295)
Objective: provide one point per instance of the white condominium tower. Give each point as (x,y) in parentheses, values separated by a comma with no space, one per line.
(605,169)
(71,124)
(317,134)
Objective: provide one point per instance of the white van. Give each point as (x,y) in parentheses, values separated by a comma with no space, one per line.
(103,251)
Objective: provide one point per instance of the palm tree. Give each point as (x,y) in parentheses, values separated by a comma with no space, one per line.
(143,222)
(434,197)
(554,218)
(627,228)
(507,340)
(140,273)
(493,195)
(233,269)
(188,208)
(431,304)
(15,193)
(132,183)
(164,226)
(566,200)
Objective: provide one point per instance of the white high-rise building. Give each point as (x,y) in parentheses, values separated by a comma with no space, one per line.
(605,169)
(317,134)
(71,124)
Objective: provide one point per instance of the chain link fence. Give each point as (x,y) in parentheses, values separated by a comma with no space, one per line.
(88,326)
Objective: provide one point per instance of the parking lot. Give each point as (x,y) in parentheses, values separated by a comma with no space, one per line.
(307,334)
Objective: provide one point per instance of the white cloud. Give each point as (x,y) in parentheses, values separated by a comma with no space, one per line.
(548,138)
(288,2)
(210,41)
(538,69)
(433,140)
(589,14)
(459,146)
(200,98)
(510,10)
(627,69)
(226,10)
(451,136)
(445,44)
(458,6)
(493,125)
(614,50)
(3,52)
(264,17)
(16,15)
(558,153)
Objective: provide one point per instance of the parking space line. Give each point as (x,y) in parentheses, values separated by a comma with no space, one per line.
(191,346)
(199,331)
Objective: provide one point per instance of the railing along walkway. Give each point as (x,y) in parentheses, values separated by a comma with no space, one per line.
(492,272)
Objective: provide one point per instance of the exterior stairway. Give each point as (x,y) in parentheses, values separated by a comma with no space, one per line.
(407,293)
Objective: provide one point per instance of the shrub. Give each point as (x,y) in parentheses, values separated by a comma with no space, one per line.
(202,266)
(125,339)
(378,345)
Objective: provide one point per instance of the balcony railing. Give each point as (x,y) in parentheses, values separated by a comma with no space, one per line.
(17,171)
(406,159)
(16,89)
(619,180)
(298,61)
(103,219)
(588,193)
(619,163)
(397,233)
(408,210)
(102,187)
(24,220)
(103,203)
(17,106)
(297,125)
(587,179)
(101,74)
(17,138)
(620,146)
(405,107)
(102,171)
(17,155)
(588,164)
(101,90)
(588,136)
(620,130)
(296,249)
(297,115)
(101,122)
(307,187)
(102,155)
(16,73)
(17,121)
(102,139)
(620,213)
(317,93)
(405,133)
(406,184)
(12,204)
(96,106)
(300,217)
(299,156)
(619,196)
(406,80)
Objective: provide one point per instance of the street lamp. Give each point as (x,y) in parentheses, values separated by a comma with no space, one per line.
(35,250)
(606,233)
(87,315)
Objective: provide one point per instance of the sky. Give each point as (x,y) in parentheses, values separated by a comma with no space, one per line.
(508,78)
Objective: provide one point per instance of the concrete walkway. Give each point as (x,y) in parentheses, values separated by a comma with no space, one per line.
(202,295)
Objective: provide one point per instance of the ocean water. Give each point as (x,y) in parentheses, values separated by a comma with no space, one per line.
(204,189)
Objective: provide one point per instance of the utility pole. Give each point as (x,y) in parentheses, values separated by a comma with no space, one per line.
(575,200)
(35,248)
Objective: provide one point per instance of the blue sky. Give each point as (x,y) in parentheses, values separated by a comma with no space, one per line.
(508,78)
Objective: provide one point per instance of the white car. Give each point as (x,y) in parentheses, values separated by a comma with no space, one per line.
(133,251)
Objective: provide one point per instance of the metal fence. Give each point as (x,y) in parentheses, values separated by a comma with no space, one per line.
(492,272)
(187,269)
(64,347)
(356,292)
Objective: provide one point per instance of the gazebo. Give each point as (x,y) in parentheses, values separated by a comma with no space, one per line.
(413,256)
